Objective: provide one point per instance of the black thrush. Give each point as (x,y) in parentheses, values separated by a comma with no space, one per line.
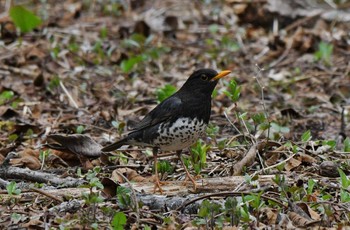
(177,122)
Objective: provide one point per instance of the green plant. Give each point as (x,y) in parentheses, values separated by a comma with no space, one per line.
(324,53)
(165,92)
(331,143)
(16,218)
(141,51)
(306,136)
(24,19)
(103,33)
(259,120)
(6,96)
(92,198)
(233,90)
(207,213)
(227,43)
(346,145)
(198,156)
(165,167)
(123,196)
(54,52)
(276,130)
(54,83)
(233,211)
(80,129)
(118,221)
(119,125)
(12,188)
(12,137)
(42,156)
(310,186)
(253,202)
(212,130)
(345,183)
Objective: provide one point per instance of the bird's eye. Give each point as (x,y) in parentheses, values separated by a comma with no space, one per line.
(204,77)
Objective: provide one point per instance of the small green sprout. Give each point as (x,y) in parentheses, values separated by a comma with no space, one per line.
(233,90)
(324,53)
(165,92)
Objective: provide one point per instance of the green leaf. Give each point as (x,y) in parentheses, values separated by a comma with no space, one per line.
(213,28)
(324,53)
(233,90)
(12,188)
(165,167)
(24,19)
(331,143)
(344,196)
(103,32)
(15,218)
(127,65)
(259,118)
(165,92)
(347,145)
(306,136)
(344,180)
(204,209)
(6,96)
(80,129)
(310,186)
(119,220)
(123,195)
(13,137)
(277,128)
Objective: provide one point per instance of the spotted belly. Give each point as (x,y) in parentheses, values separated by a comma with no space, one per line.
(180,134)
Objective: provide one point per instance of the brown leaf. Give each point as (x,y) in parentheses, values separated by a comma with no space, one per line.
(298,220)
(109,187)
(130,174)
(79,144)
(27,158)
(291,164)
(314,215)
(304,158)
(271,216)
(272,159)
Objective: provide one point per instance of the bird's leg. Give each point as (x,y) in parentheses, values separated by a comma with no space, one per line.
(156,179)
(188,175)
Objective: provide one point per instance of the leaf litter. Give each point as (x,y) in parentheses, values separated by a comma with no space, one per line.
(86,76)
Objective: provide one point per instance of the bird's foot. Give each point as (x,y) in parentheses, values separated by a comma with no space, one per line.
(158,185)
(190,178)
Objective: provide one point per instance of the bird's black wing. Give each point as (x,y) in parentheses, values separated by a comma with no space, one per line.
(164,111)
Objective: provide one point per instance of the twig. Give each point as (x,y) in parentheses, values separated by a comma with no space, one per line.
(231,122)
(42,192)
(273,166)
(69,95)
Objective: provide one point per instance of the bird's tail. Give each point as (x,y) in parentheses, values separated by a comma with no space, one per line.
(115,145)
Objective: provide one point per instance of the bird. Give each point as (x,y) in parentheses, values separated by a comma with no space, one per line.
(177,122)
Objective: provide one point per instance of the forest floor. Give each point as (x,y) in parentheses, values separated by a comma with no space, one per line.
(277,150)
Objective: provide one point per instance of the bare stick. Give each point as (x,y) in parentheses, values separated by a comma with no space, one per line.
(69,95)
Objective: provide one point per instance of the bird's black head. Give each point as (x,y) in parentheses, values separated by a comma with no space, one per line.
(203,81)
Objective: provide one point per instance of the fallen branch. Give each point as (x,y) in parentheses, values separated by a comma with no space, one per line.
(40,177)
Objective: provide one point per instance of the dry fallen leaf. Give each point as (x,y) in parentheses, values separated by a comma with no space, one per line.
(27,158)
(291,164)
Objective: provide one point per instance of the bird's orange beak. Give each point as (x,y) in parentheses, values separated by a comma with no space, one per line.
(221,75)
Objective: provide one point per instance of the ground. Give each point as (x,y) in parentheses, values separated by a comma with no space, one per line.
(276,151)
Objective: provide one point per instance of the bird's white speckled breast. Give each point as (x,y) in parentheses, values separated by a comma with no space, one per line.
(181,134)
